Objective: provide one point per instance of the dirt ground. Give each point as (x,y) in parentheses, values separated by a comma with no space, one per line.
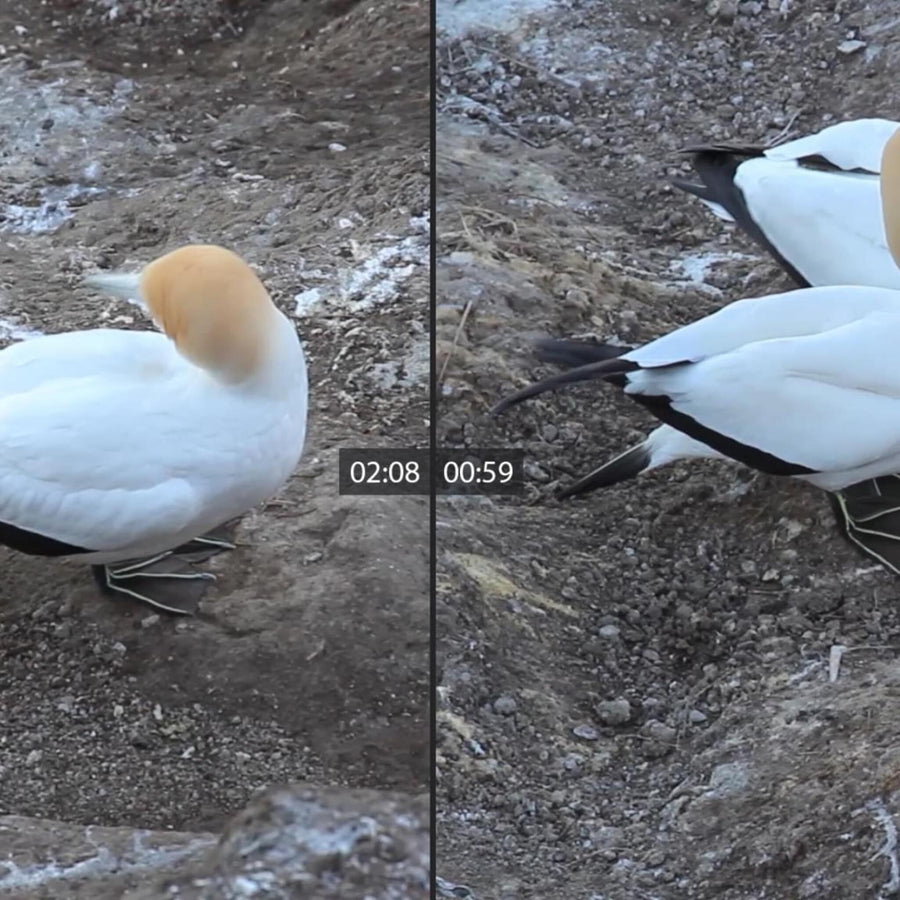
(634,693)
(295,133)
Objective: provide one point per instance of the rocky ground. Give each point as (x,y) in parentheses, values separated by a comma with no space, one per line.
(639,692)
(297,134)
(298,842)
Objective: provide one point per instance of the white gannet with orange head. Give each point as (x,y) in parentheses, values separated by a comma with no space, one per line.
(130,449)
(804,384)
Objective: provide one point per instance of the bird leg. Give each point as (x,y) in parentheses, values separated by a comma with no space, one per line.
(868,515)
(165,581)
(168,580)
(201,548)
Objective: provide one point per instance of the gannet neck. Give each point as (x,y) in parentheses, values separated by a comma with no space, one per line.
(890,193)
(216,311)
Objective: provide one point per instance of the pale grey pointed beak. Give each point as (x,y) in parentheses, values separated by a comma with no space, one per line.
(125,285)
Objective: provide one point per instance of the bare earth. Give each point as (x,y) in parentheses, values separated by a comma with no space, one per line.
(634,699)
(295,133)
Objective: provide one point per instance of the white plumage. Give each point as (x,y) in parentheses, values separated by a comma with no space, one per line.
(814,202)
(123,445)
(803,384)
(811,378)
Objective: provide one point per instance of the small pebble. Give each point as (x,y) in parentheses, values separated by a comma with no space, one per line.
(586,732)
(659,731)
(613,712)
(848,47)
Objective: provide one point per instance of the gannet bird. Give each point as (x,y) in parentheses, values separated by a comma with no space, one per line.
(812,203)
(119,447)
(804,384)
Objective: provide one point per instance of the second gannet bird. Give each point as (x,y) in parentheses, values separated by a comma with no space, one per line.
(804,384)
(812,203)
(119,447)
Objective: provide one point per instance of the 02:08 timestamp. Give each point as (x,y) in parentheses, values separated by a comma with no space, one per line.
(397,471)
(384,471)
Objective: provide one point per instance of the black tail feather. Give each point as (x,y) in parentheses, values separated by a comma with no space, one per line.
(698,190)
(612,370)
(571,354)
(716,166)
(630,463)
(733,148)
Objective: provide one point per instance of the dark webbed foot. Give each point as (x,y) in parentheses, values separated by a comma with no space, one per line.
(169,580)
(208,545)
(868,515)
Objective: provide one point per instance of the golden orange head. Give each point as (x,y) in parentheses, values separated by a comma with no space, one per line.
(890,194)
(213,306)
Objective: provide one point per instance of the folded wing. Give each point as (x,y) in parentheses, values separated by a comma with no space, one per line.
(826,402)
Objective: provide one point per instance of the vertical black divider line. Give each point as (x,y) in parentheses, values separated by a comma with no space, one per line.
(432,256)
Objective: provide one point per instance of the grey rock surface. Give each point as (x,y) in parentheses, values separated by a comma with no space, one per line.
(297,842)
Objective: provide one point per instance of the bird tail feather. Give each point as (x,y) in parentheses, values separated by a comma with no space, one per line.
(717,166)
(626,465)
(572,353)
(612,370)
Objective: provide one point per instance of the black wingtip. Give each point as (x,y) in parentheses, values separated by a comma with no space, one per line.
(690,187)
(505,404)
(722,148)
(612,370)
(717,165)
(35,544)
(574,353)
(628,464)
